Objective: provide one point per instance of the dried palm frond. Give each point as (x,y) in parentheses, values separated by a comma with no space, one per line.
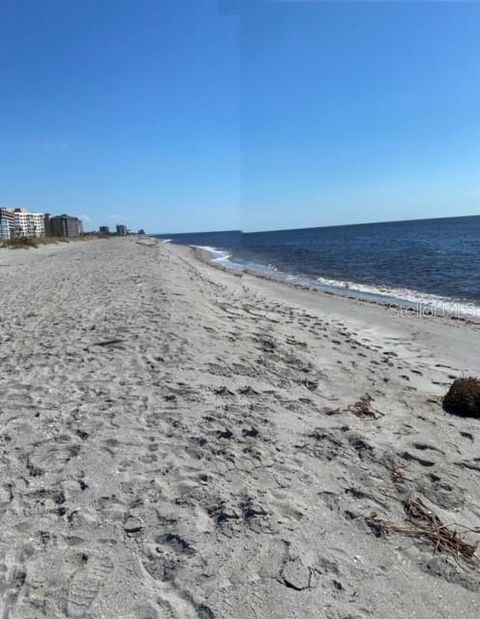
(422,523)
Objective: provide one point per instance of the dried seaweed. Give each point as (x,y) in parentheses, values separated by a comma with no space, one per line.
(397,474)
(421,523)
(361,408)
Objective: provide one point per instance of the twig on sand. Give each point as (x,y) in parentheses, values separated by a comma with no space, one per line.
(247,309)
(362,408)
(397,474)
(108,342)
(422,523)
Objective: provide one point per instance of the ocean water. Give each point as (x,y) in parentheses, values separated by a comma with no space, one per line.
(431,262)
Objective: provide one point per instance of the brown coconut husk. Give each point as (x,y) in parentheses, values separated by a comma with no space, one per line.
(463,398)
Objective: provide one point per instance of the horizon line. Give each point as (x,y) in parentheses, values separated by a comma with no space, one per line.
(365,223)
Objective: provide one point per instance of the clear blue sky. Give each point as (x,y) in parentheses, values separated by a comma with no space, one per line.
(173,115)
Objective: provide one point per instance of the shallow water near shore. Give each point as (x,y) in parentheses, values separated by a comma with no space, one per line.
(425,264)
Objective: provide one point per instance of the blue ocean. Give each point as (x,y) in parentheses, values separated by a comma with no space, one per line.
(430,261)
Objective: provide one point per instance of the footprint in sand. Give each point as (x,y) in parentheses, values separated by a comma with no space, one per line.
(86,583)
(10,590)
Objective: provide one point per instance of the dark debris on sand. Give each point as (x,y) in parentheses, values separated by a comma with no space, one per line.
(361,408)
(463,398)
(422,524)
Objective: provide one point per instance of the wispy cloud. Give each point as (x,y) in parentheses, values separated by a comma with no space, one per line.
(119,217)
(52,146)
(85,218)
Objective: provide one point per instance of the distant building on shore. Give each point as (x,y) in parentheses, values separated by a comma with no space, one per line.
(121,230)
(5,233)
(27,223)
(104,230)
(7,223)
(63,225)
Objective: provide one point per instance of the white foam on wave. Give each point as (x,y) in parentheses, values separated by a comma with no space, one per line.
(218,255)
(421,303)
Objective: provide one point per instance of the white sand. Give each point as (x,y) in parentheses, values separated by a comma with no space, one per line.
(191,470)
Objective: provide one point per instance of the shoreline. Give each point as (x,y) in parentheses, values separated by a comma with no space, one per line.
(385,265)
(418,307)
(177,441)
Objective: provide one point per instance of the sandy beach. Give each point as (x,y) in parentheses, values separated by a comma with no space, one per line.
(180,442)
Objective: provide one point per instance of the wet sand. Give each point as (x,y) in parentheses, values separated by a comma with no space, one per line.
(181,442)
